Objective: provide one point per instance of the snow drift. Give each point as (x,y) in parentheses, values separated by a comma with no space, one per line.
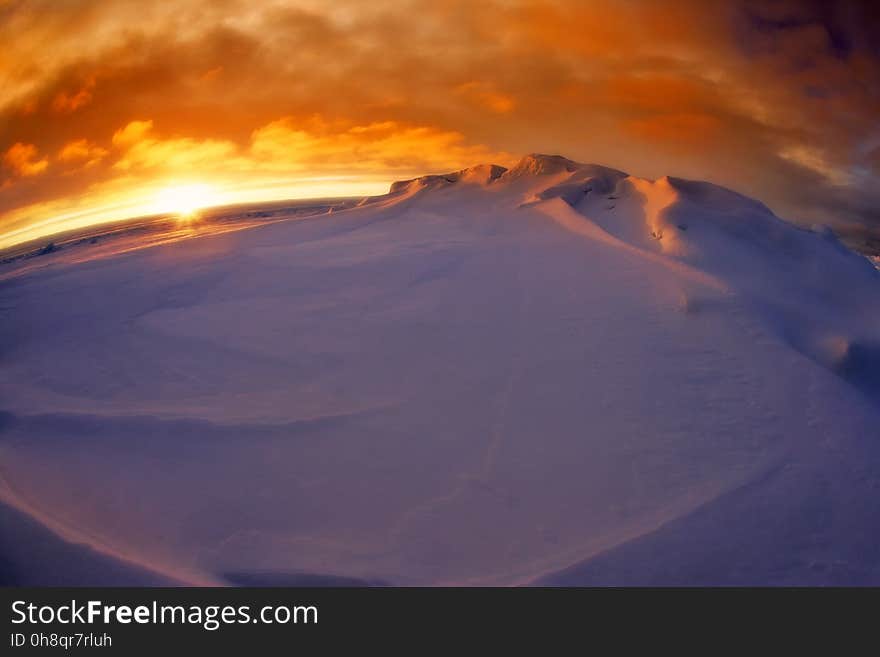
(556,373)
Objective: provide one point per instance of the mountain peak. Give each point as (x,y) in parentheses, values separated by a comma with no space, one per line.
(531,165)
(541,164)
(481,173)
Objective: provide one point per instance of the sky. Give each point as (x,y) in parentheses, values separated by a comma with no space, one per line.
(118,108)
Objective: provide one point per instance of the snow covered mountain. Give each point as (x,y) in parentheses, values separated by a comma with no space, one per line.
(556,373)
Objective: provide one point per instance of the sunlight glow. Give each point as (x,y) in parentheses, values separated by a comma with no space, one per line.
(185,200)
(148,197)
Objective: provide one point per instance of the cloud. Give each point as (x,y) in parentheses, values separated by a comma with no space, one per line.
(813,159)
(315,144)
(144,151)
(81,152)
(485,96)
(296,145)
(684,129)
(66,102)
(24,160)
(777,100)
(132,133)
(289,156)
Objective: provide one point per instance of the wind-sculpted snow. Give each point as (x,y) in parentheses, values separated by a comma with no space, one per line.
(557,373)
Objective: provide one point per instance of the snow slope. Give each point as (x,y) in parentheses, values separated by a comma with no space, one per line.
(556,374)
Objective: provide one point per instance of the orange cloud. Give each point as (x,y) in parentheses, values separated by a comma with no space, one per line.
(23,160)
(143,150)
(682,128)
(211,74)
(83,152)
(68,102)
(485,96)
(385,146)
(289,157)
(416,86)
(131,133)
(657,92)
(178,154)
(293,145)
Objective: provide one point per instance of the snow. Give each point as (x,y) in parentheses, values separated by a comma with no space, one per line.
(553,374)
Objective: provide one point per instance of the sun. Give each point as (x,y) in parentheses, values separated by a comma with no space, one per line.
(185,201)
